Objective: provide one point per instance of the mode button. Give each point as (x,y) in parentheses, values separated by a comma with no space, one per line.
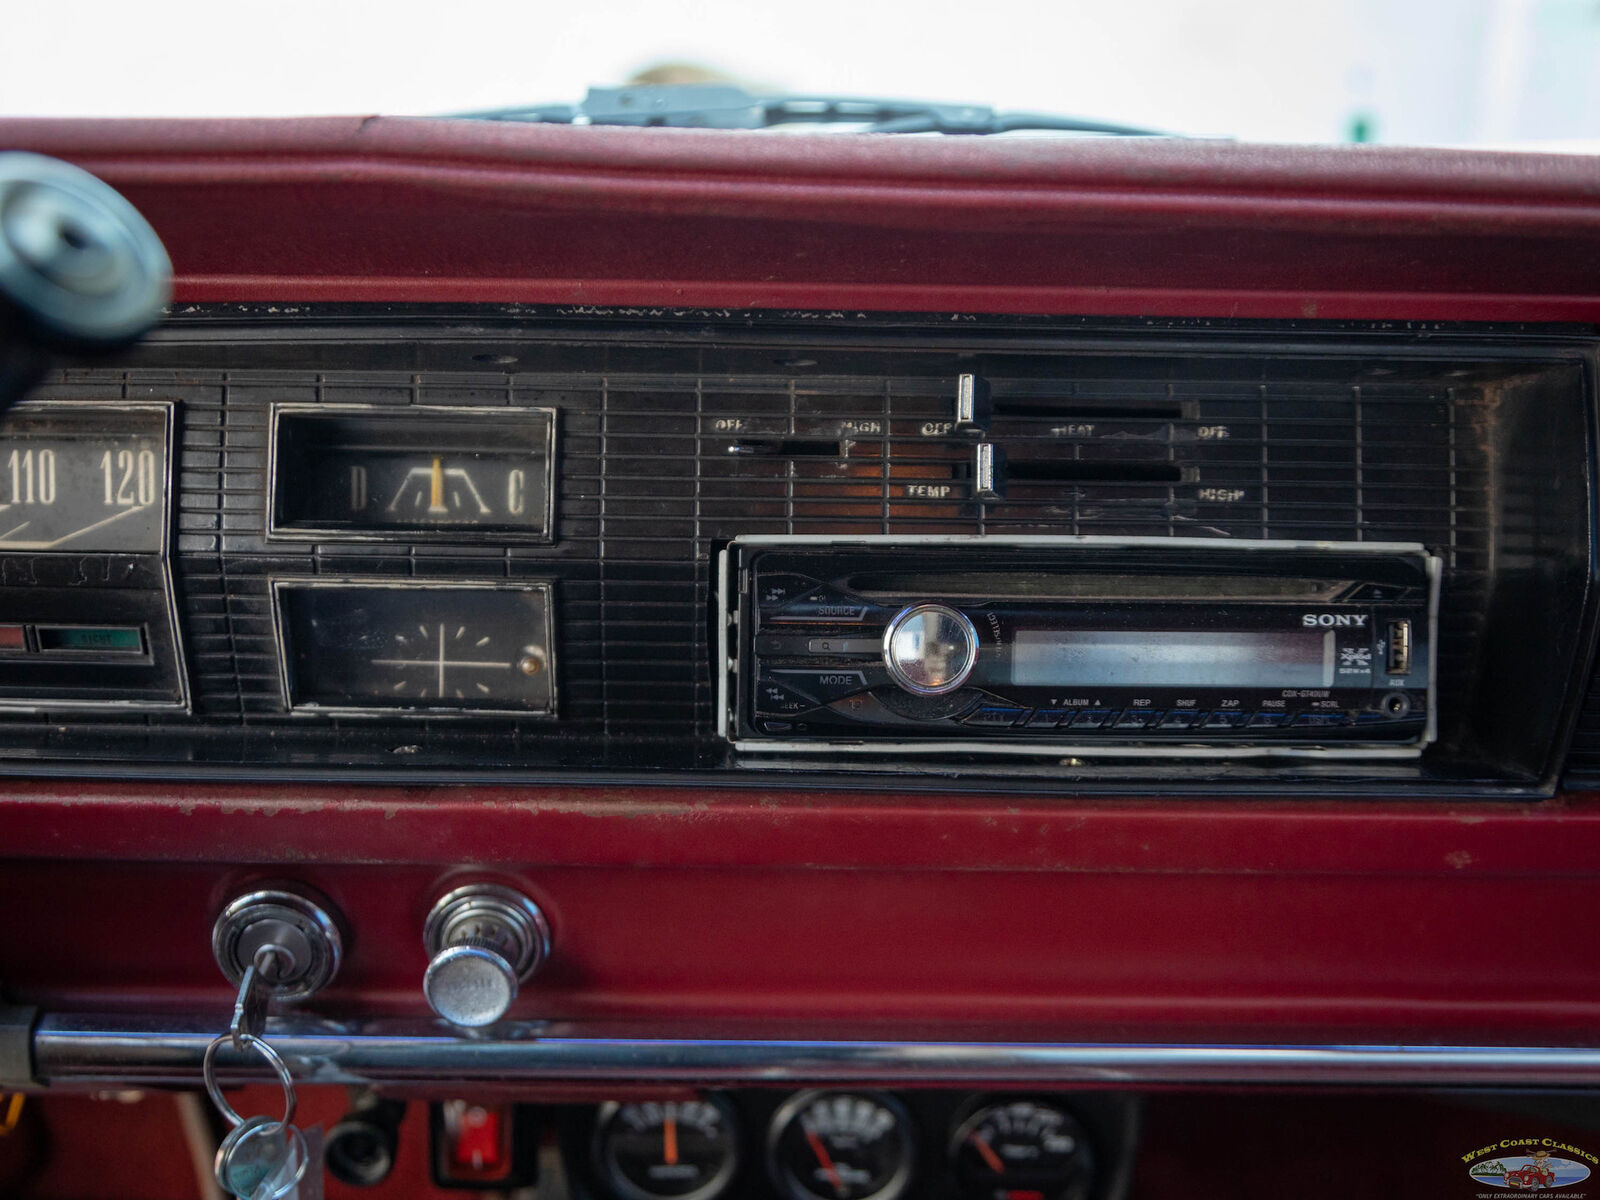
(826,686)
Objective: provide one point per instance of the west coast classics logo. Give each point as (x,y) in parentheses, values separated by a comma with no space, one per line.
(1530,1165)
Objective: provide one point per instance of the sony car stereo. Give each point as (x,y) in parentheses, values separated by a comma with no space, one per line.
(1078,645)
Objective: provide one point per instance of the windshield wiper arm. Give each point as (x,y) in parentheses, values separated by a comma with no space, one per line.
(725,106)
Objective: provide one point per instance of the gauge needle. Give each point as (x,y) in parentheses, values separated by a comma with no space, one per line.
(436,487)
(669,1141)
(996,1163)
(828,1168)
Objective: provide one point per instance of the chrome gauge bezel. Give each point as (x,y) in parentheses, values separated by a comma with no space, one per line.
(791,1189)
(625,1189)
(281,584)
(982,1107)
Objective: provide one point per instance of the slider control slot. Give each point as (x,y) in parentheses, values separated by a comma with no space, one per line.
(788,448)
(993,470)
(977,405)
(1046,406)
(1073,470)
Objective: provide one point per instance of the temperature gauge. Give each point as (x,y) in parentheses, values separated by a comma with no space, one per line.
(365,646)
(841,1146)
(423,473)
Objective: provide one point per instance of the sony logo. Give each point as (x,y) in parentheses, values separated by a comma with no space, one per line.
(1328,620)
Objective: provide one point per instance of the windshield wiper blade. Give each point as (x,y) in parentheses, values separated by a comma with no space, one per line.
(725,106)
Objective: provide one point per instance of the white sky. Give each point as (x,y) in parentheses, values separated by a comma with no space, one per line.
(1288,70)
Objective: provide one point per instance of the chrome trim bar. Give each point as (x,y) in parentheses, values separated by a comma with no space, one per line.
(75,1049)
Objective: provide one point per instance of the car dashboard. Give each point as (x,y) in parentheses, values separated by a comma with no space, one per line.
(704,664)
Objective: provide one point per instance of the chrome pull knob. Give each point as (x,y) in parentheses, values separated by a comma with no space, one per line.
(483,941)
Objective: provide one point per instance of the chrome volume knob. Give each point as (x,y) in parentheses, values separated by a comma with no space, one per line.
(930,649)
(483,940)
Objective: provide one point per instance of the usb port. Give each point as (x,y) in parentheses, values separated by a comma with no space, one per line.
(1398,660)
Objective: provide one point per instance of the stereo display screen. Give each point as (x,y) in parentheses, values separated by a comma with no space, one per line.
(1199,658)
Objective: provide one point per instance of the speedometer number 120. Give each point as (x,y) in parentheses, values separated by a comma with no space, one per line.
(130,477)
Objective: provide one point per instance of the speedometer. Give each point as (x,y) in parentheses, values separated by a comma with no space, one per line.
(87,619)
(83,478)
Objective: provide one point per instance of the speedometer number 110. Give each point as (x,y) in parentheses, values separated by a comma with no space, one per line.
(33,476)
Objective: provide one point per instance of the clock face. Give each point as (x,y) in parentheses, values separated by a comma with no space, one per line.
(454,648)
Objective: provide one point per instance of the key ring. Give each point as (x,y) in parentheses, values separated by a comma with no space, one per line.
(296,1151)
(247,1041)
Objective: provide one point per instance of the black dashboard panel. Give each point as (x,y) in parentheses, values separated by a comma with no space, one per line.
(602,461)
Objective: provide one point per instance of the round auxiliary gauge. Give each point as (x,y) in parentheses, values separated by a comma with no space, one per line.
(1005,1151)
(841,1146)
(666,1150)
(930,649)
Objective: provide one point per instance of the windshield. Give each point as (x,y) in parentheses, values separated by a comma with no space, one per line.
(1506,73)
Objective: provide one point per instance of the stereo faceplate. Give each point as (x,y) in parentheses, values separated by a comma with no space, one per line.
(1079,645)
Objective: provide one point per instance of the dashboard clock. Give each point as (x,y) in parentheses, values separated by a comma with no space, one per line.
(375,647)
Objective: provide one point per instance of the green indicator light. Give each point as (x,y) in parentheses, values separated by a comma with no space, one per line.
(106,639)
